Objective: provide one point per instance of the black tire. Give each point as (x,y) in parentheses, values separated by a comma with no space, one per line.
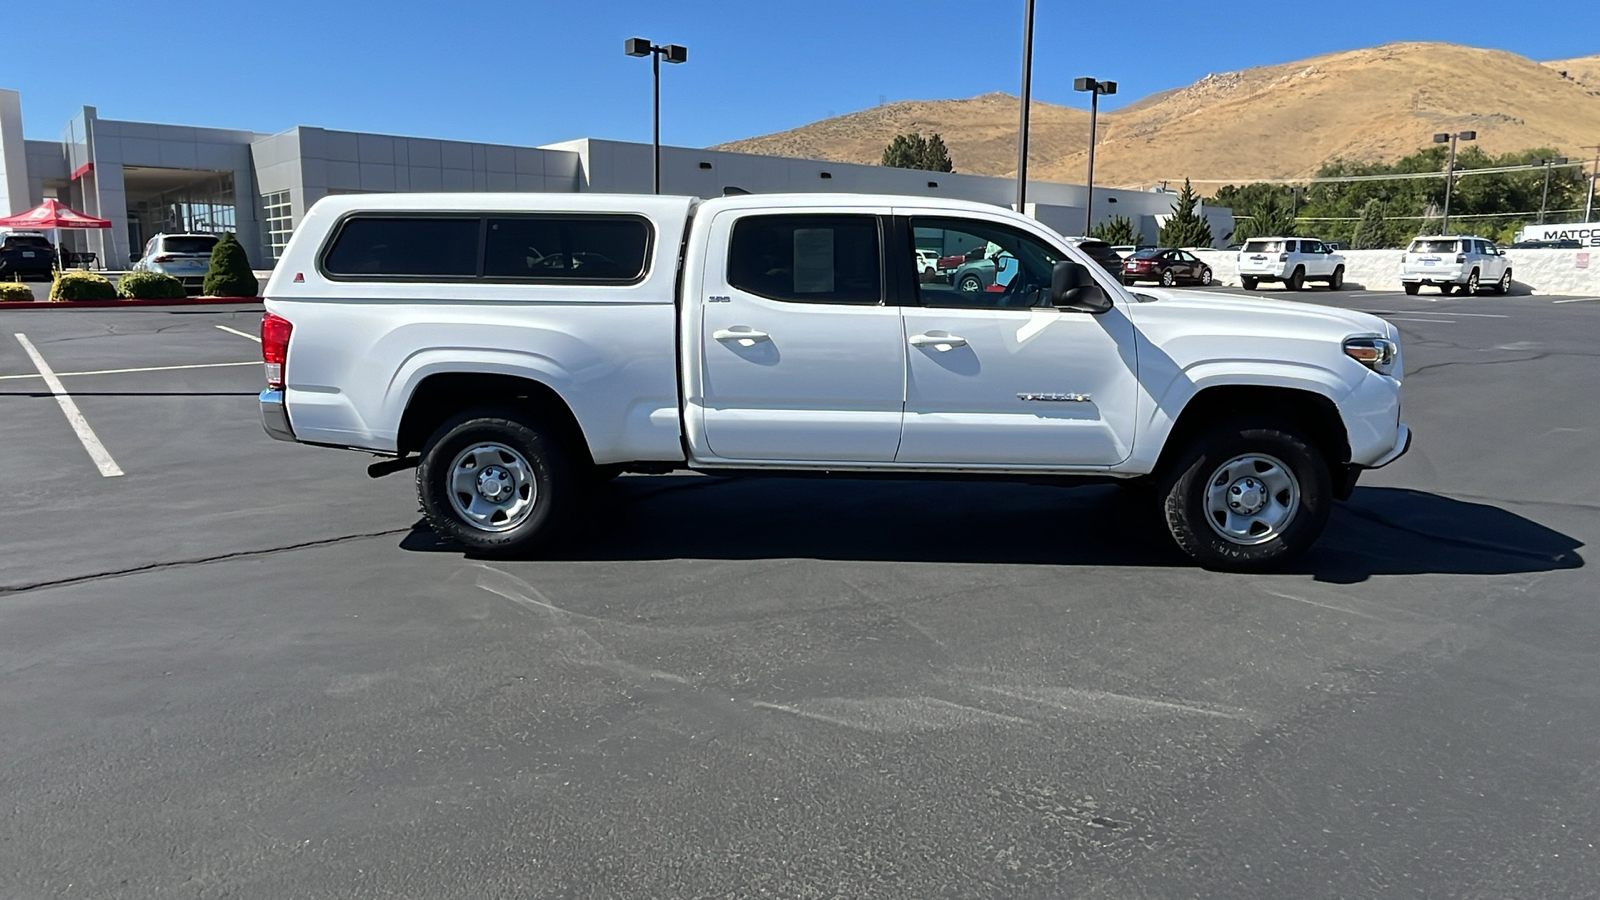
(1503,286)
(555,482)
(1185,486)
(1168,279)
(1205,278)
(1250,284)
(972,284)
(1297,280)
(1471,287)
(1412,287)
(1337,281)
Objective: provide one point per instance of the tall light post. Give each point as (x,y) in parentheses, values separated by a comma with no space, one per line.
(1094,89)
(1450,170)
(1022,127)
(673,53)
(1544,200)
(1594,180)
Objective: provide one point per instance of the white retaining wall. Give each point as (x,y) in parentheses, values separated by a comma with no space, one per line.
(1573,273)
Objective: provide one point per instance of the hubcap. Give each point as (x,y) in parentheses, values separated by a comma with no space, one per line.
(1251,499)
(492,487)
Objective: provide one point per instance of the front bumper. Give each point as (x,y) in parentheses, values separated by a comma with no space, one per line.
(1402,443)
(275,416)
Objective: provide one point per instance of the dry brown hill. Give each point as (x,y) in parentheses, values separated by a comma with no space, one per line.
(1585,70)
(1282,121)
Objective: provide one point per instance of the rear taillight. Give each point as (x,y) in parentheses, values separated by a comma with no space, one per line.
(275,347)
(165,257)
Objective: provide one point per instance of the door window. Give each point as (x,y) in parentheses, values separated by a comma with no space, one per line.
(808,258)
(1012,271)
(1312,247)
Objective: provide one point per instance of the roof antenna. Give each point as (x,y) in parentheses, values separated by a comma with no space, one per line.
(731,191)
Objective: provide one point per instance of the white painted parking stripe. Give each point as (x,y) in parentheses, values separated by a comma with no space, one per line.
(1428,321)
(243,334)
(1426,312)
(253,362)
(1577,300)
(97,451)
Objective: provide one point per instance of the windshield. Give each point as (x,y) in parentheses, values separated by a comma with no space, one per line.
(1263,246)
(189,243)
(1147,253)
(27,240)
(1433,246)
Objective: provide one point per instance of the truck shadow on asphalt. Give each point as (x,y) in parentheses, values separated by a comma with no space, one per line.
(1380,531)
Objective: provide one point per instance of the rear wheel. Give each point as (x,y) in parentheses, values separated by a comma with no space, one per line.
(495,482)
(1168,279)
(1412,287)
(1297,280)
(1471,287)
(1250,494)
(1337,281)
(1249,283)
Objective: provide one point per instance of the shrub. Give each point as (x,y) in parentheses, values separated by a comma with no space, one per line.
(1118,231)
(82,286)
(229,274)
(149,286)
(14,290)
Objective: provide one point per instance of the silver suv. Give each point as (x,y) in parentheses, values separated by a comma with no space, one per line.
(1465,263)
(183,256)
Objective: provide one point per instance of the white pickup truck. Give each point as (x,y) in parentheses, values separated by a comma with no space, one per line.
(517,348)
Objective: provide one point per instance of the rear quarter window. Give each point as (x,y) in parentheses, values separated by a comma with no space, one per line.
(605,249)
(404,247)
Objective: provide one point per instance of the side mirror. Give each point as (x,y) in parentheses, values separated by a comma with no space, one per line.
(1072,287)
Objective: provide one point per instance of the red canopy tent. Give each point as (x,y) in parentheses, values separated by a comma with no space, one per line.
(53,214)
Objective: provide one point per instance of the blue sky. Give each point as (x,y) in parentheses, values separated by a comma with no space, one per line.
(535,72)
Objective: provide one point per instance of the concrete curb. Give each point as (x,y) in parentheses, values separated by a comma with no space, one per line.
(91,304)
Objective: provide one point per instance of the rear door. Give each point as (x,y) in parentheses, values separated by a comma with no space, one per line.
(993,378)
(802,355)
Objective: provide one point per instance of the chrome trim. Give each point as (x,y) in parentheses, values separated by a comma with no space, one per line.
(1056,398)
(275,416)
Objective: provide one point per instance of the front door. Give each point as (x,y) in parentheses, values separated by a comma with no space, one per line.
(803,358)
(995,378)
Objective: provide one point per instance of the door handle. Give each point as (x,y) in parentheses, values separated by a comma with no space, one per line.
(938,340)
(745,335)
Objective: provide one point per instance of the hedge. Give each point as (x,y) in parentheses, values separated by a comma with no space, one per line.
(82,286)
(13,290)
(149,286)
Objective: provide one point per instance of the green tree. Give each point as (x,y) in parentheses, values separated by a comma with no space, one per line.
(913,151)
(1267,214)
(1370,233)
(1185,227)
(229,274)
(1119,231)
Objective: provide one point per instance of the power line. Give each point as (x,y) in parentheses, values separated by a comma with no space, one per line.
(1336,179)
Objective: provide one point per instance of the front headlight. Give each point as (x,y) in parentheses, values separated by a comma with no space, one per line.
(1376,353)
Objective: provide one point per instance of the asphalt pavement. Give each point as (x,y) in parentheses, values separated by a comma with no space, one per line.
(243,669)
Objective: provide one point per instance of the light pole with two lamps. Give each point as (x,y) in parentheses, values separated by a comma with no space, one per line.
(1094,89)
(673,53)
(1450,170)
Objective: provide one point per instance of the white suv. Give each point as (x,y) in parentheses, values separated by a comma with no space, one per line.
(1463,262)
(1293,261)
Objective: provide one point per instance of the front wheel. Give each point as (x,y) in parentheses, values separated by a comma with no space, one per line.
(1505,284)
(972,284)
(1250,494)
(1205,277)
(495,482)
(1337,281)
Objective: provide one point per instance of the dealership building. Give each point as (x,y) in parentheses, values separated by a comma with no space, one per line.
(148,178)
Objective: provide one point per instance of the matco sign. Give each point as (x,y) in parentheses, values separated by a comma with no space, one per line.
(1586,234)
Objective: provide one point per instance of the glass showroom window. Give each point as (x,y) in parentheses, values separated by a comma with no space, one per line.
(280,221)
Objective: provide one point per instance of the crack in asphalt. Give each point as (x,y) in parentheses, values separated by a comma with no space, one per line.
(6,590)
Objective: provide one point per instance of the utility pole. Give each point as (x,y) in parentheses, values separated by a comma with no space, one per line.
(1022,129)
(1544,201)
(1450,170)
(1594,176)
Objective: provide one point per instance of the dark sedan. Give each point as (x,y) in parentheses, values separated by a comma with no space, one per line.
(1165,265)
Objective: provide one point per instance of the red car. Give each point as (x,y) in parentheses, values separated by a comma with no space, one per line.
(1165,265)
(951,263)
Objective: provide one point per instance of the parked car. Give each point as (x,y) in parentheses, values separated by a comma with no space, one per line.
(26,255)
(949,264)
(1290,261)
(927,261)
(770,333)
(1566,244)
(989,273)
(183,256)
(1101,252)
(1125,250)
(1167,265)
(1463,263)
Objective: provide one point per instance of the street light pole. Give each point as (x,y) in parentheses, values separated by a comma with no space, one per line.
(674,54)
(1094,89)
(1544,201)
(1594,178)
(1450,170)
(1022,127)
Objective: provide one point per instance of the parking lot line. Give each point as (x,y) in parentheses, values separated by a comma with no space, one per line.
(251,362)
(243,334)
(1577,300)
(97,451)
(1425,312)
